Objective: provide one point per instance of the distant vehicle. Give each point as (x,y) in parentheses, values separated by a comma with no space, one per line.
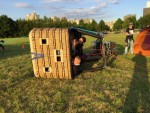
(105,32)
(116,32)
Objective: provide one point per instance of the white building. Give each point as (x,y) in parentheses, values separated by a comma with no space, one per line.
(74,21)
(110,24)
(32,16)
(129,15)
(55,18)
(87,20)
(146,10)
(148,4)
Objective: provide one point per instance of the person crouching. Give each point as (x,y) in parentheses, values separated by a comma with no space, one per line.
(2,45)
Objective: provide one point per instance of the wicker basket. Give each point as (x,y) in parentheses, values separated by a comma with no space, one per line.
(50,49)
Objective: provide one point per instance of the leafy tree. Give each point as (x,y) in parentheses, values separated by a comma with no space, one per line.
(24,27)
(118,24)
(47,22)
(93,25)
(82,24)
(74,24)
(107,28)
(102,26)
(8,27)
(128,20)
(57,22)
(144,21)
(64,22)
(89,26)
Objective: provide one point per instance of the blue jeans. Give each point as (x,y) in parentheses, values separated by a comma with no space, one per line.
(129,45)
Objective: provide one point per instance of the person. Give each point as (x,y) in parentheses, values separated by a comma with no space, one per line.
(129,39)
(77,53)
(2,45)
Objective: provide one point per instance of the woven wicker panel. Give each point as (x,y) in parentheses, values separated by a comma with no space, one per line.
(50,50)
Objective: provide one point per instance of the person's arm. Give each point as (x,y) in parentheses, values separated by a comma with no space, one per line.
(75,42)
(127,34)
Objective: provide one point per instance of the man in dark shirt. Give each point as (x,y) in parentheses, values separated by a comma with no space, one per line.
(129,38)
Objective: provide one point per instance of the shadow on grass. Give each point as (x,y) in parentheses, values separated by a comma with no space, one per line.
(138,96)
(15,50)
(120,49)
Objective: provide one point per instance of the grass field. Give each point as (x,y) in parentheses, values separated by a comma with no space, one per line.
(124,87)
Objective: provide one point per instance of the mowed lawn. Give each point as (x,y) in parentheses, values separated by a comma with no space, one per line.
(123,87)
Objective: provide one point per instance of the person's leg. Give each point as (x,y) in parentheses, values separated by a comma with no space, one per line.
(76,69)
(77,61)
(131,46)
(126,47)
(3,48)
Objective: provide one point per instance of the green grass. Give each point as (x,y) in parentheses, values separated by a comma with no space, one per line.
(124,87)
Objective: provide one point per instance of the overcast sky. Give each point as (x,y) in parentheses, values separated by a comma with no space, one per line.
(107,10)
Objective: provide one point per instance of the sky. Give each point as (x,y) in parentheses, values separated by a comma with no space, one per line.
(108,10)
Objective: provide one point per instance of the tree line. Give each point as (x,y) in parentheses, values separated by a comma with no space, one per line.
(21,27)
(138,24)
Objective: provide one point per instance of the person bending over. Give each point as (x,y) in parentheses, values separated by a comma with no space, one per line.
(77,54)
